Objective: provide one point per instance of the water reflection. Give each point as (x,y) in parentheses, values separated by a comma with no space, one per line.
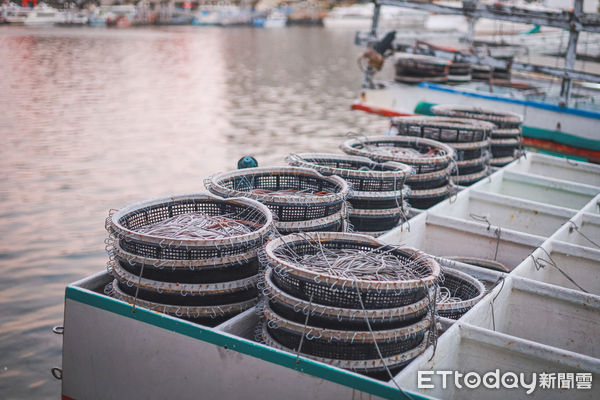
(92,119)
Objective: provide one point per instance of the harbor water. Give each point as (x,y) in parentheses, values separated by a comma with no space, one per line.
(93,119)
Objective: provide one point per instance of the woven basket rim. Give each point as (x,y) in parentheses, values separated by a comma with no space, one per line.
(380,212)
(183,264)
(198,311)
(474,161)
(341,281)
(374,364)
(430,175)
(355,336)
(444,122)
(476,175)
(431,192)
(477,113)
(362,195)
(187,288)
(300,160)
(115,227)
(349,147)
(312,223)
(470,145)
(214,185)
(422,57)
(275,293)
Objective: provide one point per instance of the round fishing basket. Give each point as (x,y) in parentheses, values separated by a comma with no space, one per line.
(301,199)
(344,344)
(372,185)
(211,315)
(424,155)
(413,68)
(376,368)
(188,228)
(443,129)
(324,316)
(343,270)
(457,293)
(501,119)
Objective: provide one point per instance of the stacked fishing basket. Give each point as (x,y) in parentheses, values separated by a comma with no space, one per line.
(377,197)
(432,161)
(347,300)
(190,256)
(468,137)
(301,199)
(506,137)
(415,68)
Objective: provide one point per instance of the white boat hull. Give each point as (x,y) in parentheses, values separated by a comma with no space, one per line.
(547,119)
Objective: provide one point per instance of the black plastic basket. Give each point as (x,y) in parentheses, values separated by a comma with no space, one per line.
(443,129)
(501,119)
(296,309)
(330,290)
(372,185)
(344,344)
(123,225)
(421,67)
(292,212)
(433,155)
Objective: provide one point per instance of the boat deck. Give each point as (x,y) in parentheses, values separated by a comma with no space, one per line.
(539,217)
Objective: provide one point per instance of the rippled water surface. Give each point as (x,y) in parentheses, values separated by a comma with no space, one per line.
(95,119)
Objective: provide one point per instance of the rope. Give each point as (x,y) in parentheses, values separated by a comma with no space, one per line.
(377,348)
(576,229)
(304,329)
(552,263)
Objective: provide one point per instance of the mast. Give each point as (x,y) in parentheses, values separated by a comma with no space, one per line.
(571,53)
